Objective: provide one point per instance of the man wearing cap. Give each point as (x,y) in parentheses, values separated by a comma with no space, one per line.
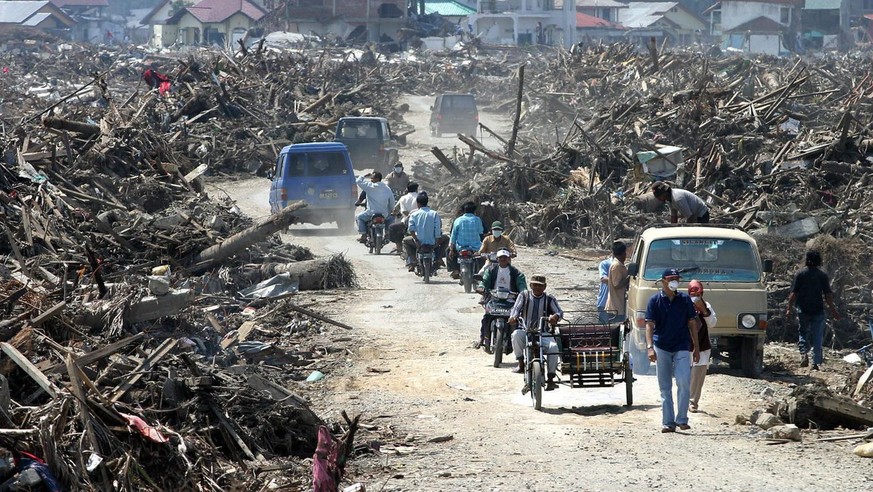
(671,329)
(497,241)
(501,275)
(682,202)
(533,305)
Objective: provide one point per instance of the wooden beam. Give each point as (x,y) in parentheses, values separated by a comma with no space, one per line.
(313,314)
(30,369)
(48,314)
(146,365)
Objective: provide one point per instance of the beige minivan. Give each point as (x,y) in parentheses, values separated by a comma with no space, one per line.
(726,261)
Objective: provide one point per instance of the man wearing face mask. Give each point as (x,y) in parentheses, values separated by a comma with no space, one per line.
(496,241)
(397,180)
(671,328)
(706,318)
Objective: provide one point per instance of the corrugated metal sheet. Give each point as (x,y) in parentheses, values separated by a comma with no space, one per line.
(447,8)
(17,12)
(36,19)
(643,14)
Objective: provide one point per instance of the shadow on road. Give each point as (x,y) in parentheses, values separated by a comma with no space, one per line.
(598,409)
(312,231)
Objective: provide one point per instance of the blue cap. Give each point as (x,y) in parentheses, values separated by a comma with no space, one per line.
(670,272)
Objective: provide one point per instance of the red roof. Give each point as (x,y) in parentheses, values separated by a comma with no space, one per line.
(585,21)
(214,11)
(81,3)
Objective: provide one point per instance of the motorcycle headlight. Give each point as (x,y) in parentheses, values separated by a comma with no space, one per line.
(748,320)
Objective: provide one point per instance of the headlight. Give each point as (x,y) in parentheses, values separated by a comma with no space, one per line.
(749,321)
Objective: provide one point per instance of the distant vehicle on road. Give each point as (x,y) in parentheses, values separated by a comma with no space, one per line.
(321,174)
(370,142)
(454,113)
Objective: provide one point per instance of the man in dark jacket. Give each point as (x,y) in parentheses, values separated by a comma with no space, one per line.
(810,285)
(501,275)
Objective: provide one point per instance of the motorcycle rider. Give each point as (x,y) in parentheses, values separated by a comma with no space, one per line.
(500,275)
(404,207)
(425,228)
(533,305)
(494,243)
(467,231)
(397,180)
(380,200)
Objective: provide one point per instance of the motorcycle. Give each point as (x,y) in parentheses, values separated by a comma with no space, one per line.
(376,234)
(425,265)
(468,263)
(498,305)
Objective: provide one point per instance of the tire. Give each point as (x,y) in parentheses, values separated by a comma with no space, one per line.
(751,359)
(640,358)
(425,270)
(537,380)
(497,340)
(628,381)
(467,278)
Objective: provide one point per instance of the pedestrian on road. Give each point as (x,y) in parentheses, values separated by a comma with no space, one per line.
(682,202)
(616,304)
(671,329)
(706,318)
(809,287)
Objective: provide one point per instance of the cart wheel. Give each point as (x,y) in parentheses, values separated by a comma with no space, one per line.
(497,340)
(628,381)
(537,381)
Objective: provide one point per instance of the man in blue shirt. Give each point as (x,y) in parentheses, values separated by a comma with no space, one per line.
(425,228)
(467,231)
(671,329)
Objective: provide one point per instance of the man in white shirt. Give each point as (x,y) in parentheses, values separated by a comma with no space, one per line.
(380,200)
(405,206)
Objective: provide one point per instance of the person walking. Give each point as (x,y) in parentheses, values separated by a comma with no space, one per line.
(706,318)
(682,202)
(809,287)
(603,293)
(671,329)
(618,281)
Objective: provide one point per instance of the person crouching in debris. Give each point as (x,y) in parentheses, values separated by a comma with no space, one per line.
(810,285)
(682,202)
(706,318)
(156,80)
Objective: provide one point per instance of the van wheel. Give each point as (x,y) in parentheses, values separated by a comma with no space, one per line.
(751,359)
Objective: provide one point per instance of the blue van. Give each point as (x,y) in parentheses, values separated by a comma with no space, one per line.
(320,174)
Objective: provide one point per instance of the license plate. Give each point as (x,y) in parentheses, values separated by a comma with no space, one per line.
(328,194)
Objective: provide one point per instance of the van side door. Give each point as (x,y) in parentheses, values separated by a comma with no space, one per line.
(276,183)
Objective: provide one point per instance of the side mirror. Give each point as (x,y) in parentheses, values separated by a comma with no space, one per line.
(633,269)
(768,266)
(270,175)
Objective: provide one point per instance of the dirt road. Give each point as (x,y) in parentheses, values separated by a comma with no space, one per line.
(437,385)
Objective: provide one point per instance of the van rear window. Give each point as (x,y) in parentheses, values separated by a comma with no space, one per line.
(719,260)
(458,102)
(358,129)
(316,164)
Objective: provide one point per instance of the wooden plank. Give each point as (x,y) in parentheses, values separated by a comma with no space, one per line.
(197,172)
(242,333)
(313,314)
(863,381)
(30,369)
(146,365)
(48,314)
(846,409)
(215,323)
(82,403)
(228,427)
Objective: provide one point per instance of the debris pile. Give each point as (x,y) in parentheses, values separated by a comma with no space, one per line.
(151,333)
(777,147)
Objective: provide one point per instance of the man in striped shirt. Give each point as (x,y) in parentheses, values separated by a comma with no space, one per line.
(533,305)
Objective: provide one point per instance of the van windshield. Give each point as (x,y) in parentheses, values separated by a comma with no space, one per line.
(720,260)
(314,164)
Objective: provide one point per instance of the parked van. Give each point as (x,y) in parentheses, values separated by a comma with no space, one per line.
(454,113)
(369,141)
(726,261)
(320,174)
